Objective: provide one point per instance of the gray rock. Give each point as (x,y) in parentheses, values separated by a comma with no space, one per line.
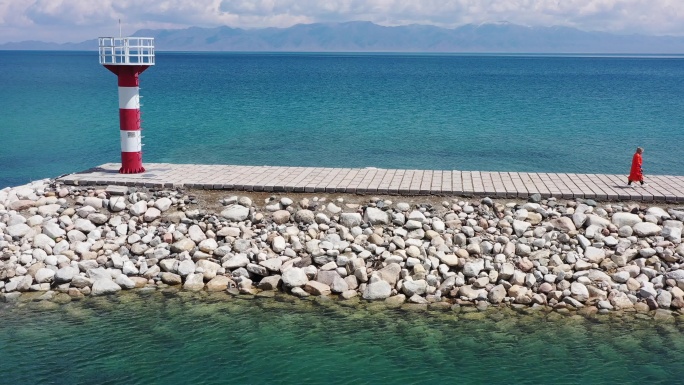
(376,217)
(76,236)
(152,214)
(80,281)
(579,218)
(44,275)
(403,206)
(573,302)
(163,204)
(657,212)
(339,285)
(497,294)
(621,276)
(377,290)
(236,261)
(350,220)
(305,216)
(228,231)
(129,268)
(218,283)
(270,283)
(171,278)
(278,245)
(299,292)
(272,264)
(245,201)
(594,255)
(520,227)
(473,268)
(599,276)
(506,271)
(93,202)
(65,274)
(241,245)
(117,204)
(333,208)
(208,245)
(579,291)
(450,260)
(471,293)
(563,224)
(389,273)
(647,291)
(677,275)
(194,282)
(18,230)
(186,268)
(52,230)
(97,272)
(418,287)
(673,234)
(49,210)
(41,241)
(98,218)
(170,265)
(596,220)
(124,282)
(196,234)
(185,244)
(646,229)
(84,225)
(317,288)
(104,286)
(257,269)
(281,217)
(235,213)
(664,299)
(621,219)
(294,277)
(138,208)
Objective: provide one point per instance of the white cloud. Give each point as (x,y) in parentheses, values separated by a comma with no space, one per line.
(69,20)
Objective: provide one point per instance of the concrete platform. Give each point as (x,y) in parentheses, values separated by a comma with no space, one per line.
(662,188)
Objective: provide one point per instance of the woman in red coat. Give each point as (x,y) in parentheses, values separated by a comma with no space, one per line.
(636,174)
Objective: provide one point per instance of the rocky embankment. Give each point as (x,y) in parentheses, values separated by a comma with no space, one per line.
(66,242)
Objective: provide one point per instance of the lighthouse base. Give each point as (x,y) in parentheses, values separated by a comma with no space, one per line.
(131,163)
(124,170)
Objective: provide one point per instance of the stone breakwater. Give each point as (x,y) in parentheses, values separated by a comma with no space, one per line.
(61,243)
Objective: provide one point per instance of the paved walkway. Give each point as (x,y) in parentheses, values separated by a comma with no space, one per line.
(382,181)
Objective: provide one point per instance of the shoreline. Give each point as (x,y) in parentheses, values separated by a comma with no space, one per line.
(460,254)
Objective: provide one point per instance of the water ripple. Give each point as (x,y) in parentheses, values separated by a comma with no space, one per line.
(173,340)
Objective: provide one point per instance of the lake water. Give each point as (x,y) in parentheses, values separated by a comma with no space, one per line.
(216,339)
(495,113)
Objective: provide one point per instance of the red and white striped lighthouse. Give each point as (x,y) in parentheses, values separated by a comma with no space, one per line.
(127,58)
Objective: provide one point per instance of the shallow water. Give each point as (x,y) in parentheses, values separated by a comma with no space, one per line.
(216,339)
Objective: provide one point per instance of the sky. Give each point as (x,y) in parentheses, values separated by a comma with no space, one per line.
(77,20)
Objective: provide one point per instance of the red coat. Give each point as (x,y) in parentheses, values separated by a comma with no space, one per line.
(635,174)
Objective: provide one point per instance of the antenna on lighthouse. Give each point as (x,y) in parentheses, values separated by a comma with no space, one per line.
(119,27)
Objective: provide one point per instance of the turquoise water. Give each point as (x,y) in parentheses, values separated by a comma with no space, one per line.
(157,339)
(501,113)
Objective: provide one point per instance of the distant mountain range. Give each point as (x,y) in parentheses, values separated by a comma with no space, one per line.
(361,36)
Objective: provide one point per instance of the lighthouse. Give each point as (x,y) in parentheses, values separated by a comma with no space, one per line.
(127,58)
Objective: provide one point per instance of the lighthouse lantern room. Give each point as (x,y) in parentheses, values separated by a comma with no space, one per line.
(127,58)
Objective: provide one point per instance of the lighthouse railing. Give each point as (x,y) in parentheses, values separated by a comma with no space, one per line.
(126,50)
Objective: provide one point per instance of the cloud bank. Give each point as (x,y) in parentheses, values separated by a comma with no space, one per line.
(76,20)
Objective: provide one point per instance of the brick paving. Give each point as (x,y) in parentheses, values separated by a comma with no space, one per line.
(662,188)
